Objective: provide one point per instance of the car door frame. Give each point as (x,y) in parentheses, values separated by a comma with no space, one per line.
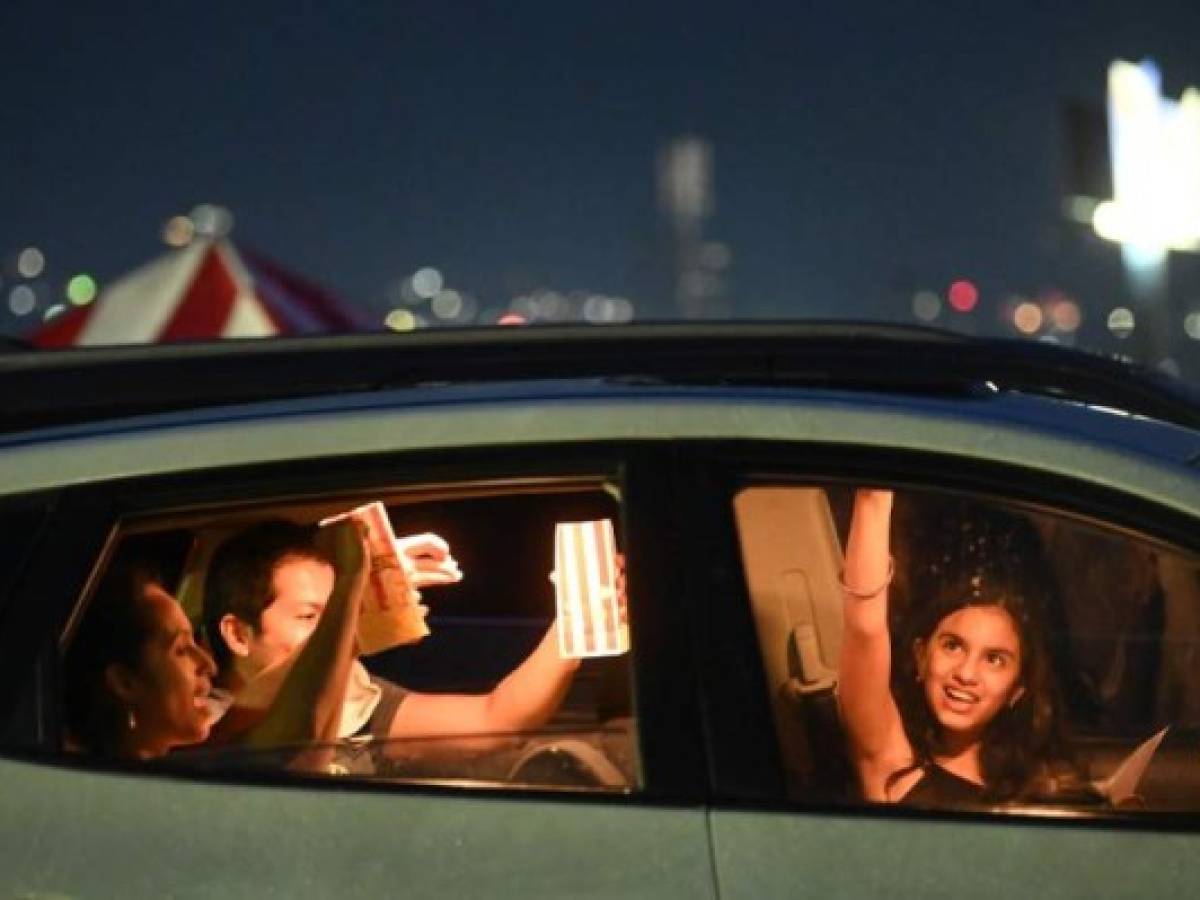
(765,845)
(667,814)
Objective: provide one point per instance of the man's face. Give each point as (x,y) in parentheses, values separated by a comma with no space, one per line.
(301,588)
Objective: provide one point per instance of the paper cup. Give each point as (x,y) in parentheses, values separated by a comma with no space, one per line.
(390,614)
(585,585)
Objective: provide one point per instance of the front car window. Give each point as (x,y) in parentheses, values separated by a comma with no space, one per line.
(513,671)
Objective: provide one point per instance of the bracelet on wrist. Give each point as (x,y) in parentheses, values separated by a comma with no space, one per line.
(867,595)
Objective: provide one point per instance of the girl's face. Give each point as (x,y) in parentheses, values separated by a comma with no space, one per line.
(167,691)
(971,668)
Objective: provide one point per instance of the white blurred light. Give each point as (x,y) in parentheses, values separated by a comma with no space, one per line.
(30,262)
(56,310)
(178,231)
(401,320)
(926,305)
(448,304)
(600,309)
(597,308)
(210,220)
(526,306)
(1155,147)
(1121,322)
(22,300)
(1171,367)
(1191,325)
(427,282)
(551,305)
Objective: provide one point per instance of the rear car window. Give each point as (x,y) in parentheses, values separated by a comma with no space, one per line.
(1032,660)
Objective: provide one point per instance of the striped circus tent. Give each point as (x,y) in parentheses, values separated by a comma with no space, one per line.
(204,291)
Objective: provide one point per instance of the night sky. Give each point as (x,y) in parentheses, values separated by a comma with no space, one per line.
(860,153)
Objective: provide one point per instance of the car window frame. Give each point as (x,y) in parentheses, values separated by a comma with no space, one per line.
(672,757)
(727,466)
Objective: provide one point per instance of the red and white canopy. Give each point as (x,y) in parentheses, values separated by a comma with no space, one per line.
(205,291)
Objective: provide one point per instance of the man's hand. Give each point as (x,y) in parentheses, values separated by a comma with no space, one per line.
(346,541)
(427,561)
(622,599)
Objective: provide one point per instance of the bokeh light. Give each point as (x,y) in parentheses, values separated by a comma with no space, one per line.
(1191,325)
(178,231)
(926,305)
(30,262)
(53,312)
(511,318)
(22,300)
(600,309)
(427,282)
(963,295)
(1065,314)
(1028,317)
(1121,322)
(401,320)
(211,220)
(448,304)
(82,289)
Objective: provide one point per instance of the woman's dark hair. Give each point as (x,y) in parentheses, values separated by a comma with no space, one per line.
(114,630)
(984,559)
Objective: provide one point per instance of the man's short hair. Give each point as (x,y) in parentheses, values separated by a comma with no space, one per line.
(240,578)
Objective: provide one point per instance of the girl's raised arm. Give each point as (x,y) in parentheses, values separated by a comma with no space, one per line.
(877,742)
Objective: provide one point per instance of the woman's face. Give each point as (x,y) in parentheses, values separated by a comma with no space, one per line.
(167,691)
(971,668)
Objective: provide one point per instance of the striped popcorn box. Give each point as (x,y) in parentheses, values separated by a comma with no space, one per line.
(391,614)
(585,585)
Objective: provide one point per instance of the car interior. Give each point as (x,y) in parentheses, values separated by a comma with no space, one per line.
(502,533)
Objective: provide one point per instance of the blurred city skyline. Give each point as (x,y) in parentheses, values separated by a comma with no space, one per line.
(859,161)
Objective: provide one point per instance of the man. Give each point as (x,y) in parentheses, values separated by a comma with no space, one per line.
(265,593)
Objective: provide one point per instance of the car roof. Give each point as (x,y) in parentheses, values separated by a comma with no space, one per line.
(90,384)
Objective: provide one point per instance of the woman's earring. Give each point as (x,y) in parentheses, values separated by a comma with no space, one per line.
(131,719)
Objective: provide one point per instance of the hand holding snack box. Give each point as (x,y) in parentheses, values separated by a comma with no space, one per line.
(392,613)
(588,590)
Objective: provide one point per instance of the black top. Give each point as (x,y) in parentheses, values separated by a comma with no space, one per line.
(940,788)
(380,723)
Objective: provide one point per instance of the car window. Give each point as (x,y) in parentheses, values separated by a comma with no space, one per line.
(501,662)
(940,650)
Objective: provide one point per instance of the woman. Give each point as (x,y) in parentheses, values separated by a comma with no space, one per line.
(972,717)
(138,684)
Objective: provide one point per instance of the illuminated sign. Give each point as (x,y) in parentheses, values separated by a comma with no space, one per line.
(1155,145)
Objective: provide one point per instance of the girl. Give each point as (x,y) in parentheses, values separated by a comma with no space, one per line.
(972,716)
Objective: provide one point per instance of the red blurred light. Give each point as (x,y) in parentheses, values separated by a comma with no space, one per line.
(511,318)
(963,296)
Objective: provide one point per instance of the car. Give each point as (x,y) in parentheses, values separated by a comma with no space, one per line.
(707,761)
